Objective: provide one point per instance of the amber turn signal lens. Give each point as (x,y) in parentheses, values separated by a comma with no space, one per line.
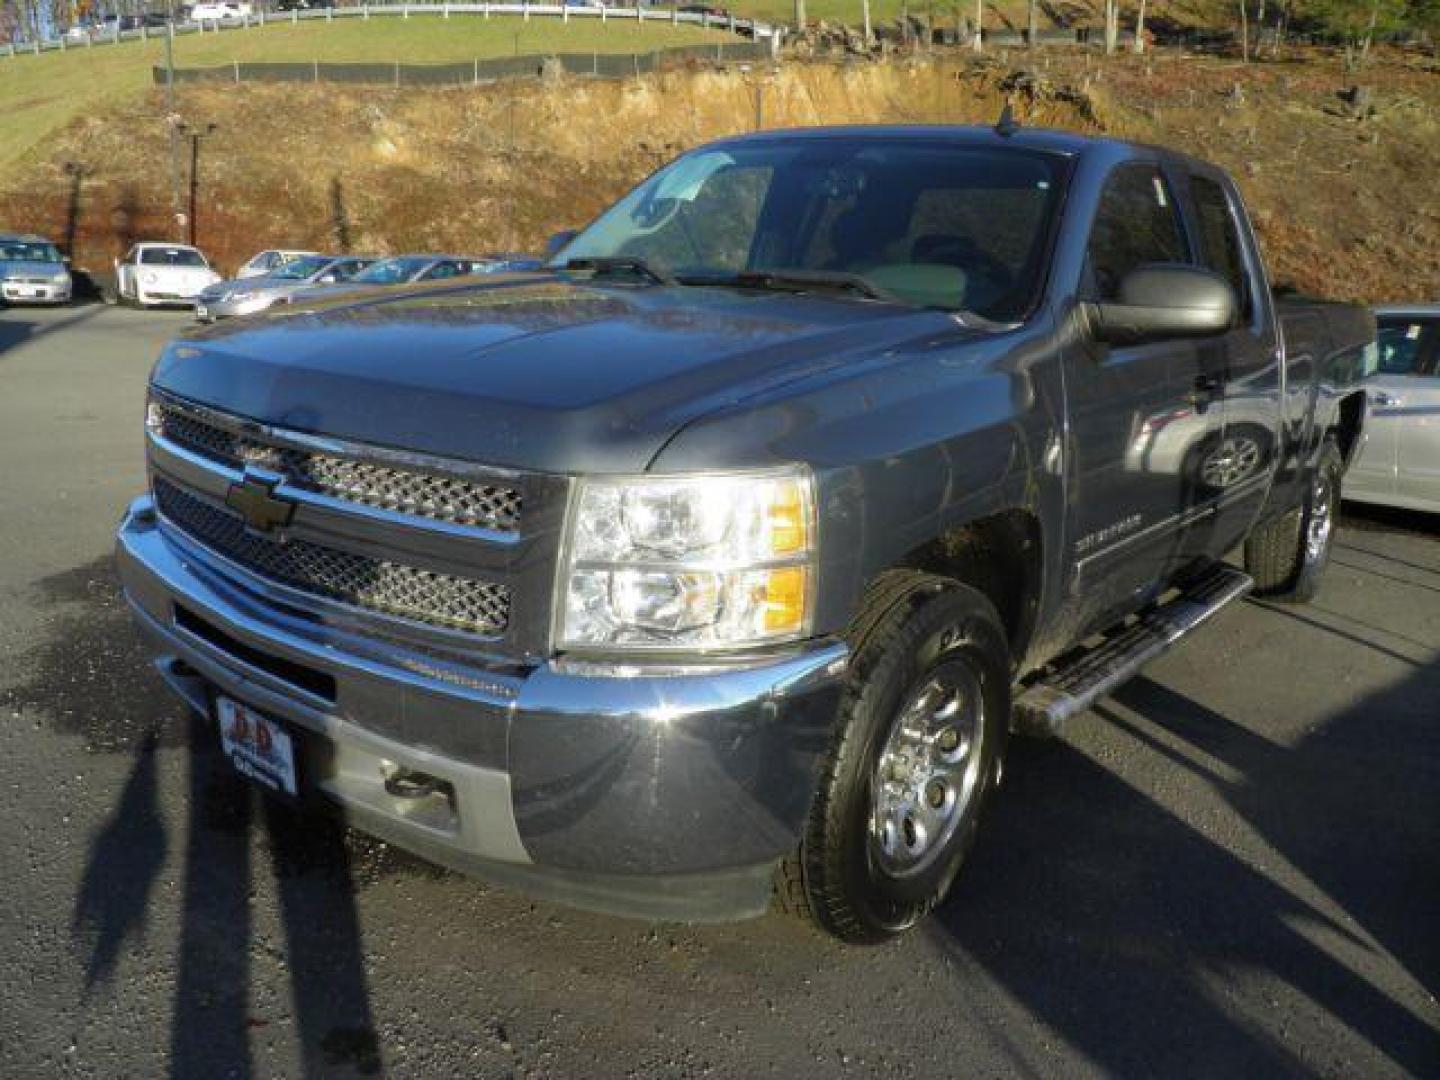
(785,600)
(789,520)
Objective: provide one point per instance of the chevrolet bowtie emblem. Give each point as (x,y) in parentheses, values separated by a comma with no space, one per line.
(262,509)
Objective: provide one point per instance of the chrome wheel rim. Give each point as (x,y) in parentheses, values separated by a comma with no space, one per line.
(928,771)
(1233,460)
(1321,520)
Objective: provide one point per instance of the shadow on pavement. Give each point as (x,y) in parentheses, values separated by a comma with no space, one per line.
(1130,933)
(90,679)
(18,327)
(125,858)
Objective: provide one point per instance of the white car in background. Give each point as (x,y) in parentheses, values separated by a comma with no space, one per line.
(152,274)
(269,261)
(216,12)
(1399,461)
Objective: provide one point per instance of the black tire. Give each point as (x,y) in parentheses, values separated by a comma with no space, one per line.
(916,635)
(1287,557)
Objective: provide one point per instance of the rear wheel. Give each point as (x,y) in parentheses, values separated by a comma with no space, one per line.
(919,740)
(1287,557)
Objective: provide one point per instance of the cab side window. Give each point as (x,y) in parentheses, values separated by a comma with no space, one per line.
(1221,240)
(1137,223)
(441,271)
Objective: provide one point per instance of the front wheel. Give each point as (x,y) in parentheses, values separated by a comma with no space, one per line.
(1287,557)
(919,739)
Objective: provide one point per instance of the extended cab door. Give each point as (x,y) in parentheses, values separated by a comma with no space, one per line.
(1234,468)
(1140,415)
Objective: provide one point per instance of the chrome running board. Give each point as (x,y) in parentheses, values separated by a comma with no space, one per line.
(1075,684)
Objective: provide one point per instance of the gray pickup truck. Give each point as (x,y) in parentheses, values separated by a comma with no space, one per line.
(719,559)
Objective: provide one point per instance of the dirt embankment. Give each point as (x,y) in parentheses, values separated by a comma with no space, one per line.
(1344,197)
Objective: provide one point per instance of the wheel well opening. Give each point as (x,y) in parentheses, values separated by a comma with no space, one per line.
(1001,557)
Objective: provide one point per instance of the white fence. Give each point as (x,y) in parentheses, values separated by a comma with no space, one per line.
(564,13)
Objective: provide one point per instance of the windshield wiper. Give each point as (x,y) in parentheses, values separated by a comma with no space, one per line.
(812,281)
(634,263)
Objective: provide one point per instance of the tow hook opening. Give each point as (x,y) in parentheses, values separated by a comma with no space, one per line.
(411,784)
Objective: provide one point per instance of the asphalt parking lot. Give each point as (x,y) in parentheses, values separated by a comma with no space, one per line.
(1230,868)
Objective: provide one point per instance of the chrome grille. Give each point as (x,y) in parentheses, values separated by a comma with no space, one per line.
(454,499)
(375,584)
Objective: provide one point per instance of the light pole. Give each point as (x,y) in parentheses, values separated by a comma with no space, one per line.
(196,134)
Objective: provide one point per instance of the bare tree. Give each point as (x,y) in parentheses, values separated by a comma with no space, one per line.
(1112,26)
(1139,45)
(799,14)
(1244,32)
(1033,28)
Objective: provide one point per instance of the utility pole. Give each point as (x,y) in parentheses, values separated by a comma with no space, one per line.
(76,171)
(172,120)
(195,136)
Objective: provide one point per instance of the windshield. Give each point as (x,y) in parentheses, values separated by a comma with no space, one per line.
(392,271)
(28,251)
(302,268)
(171,257)
(931,224)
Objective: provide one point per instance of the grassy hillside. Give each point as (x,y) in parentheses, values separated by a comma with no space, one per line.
(41,94)
(1344,206)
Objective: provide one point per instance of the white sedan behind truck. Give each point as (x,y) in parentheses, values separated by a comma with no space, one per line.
(153,274)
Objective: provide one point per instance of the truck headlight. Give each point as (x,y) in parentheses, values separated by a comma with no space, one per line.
(62,278)
(697,561)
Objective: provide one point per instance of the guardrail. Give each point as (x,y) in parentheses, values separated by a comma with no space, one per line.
(741,27)
(467,72)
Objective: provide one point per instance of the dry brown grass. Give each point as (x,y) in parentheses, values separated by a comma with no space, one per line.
(1344,207)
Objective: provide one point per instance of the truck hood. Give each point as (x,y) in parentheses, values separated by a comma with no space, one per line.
(530,372)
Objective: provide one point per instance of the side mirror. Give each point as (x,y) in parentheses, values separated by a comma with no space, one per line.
(1164,300)
(558,241)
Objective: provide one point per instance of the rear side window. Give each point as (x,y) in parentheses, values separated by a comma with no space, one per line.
(1408,346)
(1136,224)
(1221,240)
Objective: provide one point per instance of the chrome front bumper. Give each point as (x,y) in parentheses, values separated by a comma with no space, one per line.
(632,790)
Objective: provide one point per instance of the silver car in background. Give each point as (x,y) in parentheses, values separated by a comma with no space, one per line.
(32,271)
(399,270)
(249,296)
(268,261)
(1399,461)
